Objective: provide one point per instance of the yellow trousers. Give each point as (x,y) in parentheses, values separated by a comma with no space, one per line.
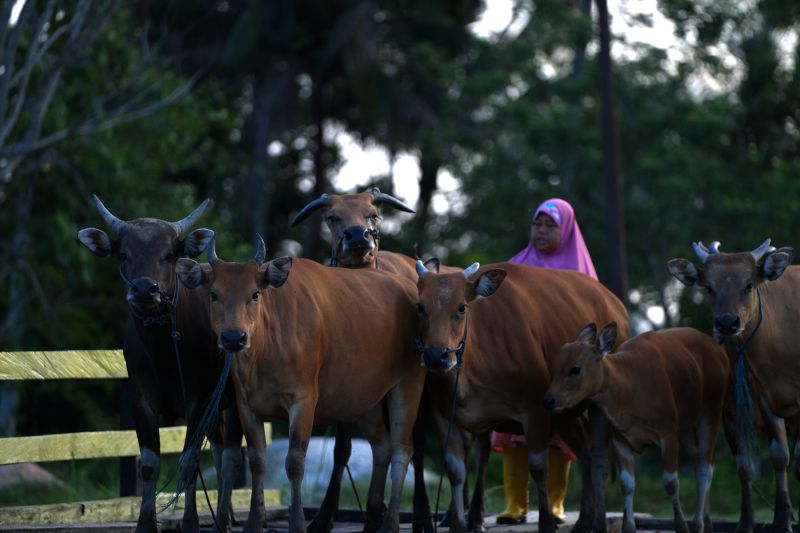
(515,484)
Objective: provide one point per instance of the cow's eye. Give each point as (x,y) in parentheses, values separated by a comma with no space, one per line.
(169,257)
(213,296)
(462,309)
(374,218)
(710,291)
(420,308)
(123,256)
(332,220)
(749,287)
(574,371)
(256,296)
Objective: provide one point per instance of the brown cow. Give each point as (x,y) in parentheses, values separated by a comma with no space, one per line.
(353,221)
(506,342)
(678,378)
(316,351)
(148,249)
(758,323)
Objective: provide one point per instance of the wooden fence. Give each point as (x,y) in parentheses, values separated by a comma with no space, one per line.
(88,364)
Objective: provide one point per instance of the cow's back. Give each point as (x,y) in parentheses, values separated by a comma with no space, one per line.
(519,329)
(345,332)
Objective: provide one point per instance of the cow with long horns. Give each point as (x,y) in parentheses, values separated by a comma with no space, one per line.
(296,358)
(753,298)
(494,331)
(165,384)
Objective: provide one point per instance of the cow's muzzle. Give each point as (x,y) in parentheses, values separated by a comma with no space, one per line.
(233,340)
(358,239)
(144,290)
(438,358)
(728,324)
(549,402)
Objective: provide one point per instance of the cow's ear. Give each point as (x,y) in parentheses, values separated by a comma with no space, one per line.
(685,272)
(96,241)
(606,339)
(433,264)
(489,282)
(777,262)
(275,272)
(588,335)
(191,273)
(197,242)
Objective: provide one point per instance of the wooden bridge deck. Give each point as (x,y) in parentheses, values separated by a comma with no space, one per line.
(350,522)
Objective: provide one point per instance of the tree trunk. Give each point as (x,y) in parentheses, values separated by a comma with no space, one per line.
(429,167)
(617,270)
(311,245)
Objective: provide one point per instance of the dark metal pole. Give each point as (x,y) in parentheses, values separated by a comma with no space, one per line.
(617,268)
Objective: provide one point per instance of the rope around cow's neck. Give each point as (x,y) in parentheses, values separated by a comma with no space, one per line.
(744,400)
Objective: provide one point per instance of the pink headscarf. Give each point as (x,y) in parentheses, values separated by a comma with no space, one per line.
(571,253)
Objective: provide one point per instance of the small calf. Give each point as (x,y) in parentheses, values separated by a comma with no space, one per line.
(659,387)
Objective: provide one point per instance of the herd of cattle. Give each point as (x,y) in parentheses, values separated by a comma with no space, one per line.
(388,340)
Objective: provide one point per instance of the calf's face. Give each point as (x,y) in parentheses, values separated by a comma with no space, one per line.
(577,372)
(235,291)
(442,306)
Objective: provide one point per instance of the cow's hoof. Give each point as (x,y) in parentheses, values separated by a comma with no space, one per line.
(424,525)
(583,525)
(190,525)
(320,525)
(475,524)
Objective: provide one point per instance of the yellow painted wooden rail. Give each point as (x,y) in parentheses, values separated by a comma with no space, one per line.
(85,364)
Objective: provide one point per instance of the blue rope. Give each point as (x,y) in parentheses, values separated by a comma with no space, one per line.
(206,422)
(744,400)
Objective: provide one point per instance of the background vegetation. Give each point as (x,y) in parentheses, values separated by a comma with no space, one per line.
(155,105)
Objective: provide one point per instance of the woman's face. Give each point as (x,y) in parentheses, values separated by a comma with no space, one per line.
(545,234)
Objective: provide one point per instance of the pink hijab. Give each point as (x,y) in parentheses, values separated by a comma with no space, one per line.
(571,253)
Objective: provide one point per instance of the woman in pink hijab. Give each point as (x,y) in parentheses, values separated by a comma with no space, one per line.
(555,242)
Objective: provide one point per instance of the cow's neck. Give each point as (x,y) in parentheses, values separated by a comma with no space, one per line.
(615,390)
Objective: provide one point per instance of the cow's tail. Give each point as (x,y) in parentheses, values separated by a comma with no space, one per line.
(189,458)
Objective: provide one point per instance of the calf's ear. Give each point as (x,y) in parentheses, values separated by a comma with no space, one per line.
(588,334)
(777,262)
(197,242)
(489,282)
(191,273)
(275,273)
(606,339)
(685,272)
(96,241)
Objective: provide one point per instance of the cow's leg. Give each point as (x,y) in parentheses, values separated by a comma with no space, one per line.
(599,435)
(779,447)
(744,467)
(301,421)
(373,427)
(454,456)
(189,470)
(323,521)
(537,434)
(145,419)
(403,402)
(422,521)
(669,478)
(627,481)
(257,457)
(702,453)
(229,464)
(482,447)
(575,432)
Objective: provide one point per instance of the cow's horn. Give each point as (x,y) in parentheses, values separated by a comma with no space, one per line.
(701,251)
(759,252)
(714,247)
(184,224)
(212,252)
(382,198)
(261,250)
(116,224)
(421,270)
(470,270)
(322,201)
